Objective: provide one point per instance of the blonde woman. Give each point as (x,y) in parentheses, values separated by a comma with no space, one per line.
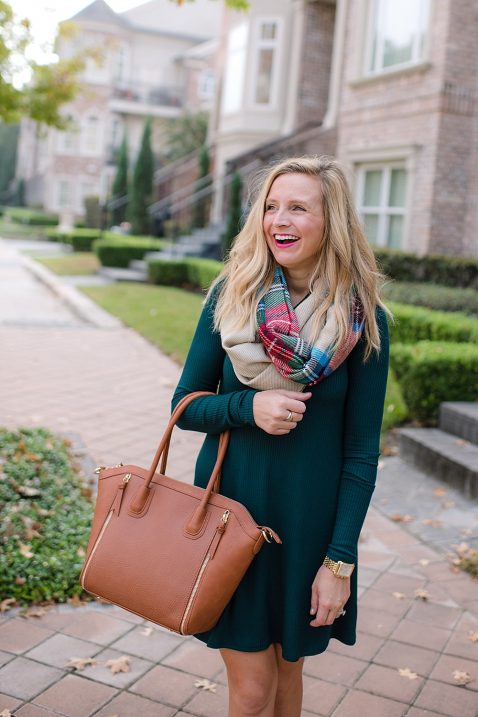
(294,339)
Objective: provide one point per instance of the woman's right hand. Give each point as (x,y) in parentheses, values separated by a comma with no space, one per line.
(271,410)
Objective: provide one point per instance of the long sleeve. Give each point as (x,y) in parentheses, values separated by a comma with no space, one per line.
(361,443)
(202,372)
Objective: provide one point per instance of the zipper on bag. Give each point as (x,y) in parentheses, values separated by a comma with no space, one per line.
(209,556)
(98,539)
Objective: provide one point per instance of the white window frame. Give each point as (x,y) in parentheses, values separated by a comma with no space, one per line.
(68,141)
(383,210)
(206,84)
(259,44)
(418,58)
(96,149)
(234,107)
(70,204)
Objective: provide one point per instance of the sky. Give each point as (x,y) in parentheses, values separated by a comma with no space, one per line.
(46,14)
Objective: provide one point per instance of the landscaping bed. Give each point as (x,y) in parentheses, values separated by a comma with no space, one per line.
(45,517)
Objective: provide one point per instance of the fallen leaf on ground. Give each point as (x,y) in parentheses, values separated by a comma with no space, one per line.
(406,672)
(439,492)
(466,532)
(27,492)
(424,562)
(79,663)
(147,631)
(422,594)
(76,601)
(433,522)
(463,548)
(33,612)
(473,636)
(7,604)
(25,550)
(118,664)
(6,713)
(81,552)
(461,442)
(205,685)
(399,596)
(448,504)
(461,677)
(399,518)
(20,581)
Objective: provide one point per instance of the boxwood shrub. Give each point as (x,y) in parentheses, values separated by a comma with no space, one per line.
(414,323)
(442,269)
(430,372)
(45,516)
(32,217)
(117,250)
(79,239)
(440,298)
(190,271)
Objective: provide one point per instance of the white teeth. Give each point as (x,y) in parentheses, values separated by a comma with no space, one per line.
(285,237)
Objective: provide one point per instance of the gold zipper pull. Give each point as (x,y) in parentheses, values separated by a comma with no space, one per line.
(269,534)
(219,533)
(98,469)
(116,507)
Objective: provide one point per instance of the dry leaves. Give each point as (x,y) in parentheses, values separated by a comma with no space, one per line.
(399,518)
(433,522)
(406,672)
(461,677)
(81,552)
(424,562)
(422,594)
(79,663)
(473,636)
(205,685)
(399,596)
(33,612)
(25,550)
(6,605)
(147,631)
(448,504)
(118,664)
(6,713)
(439,492)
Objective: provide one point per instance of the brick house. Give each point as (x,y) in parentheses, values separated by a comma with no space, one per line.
(387,86)
(158,62)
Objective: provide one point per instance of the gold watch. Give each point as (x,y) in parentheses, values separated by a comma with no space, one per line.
(339,569)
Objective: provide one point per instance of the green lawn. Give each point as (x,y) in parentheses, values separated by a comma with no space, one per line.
(80,263)
(165,315)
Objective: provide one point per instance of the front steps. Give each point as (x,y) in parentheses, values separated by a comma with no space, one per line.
(449,452)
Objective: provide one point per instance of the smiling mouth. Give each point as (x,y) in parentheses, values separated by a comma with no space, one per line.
(285,239)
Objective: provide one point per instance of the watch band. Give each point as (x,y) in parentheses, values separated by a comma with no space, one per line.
(339,568)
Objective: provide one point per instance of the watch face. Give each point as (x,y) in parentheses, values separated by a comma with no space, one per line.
(345,571)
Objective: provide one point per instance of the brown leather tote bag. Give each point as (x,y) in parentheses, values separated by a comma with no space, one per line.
(168,551)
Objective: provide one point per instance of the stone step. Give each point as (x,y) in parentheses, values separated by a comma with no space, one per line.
(460,418)
(117,274)
(138,265)
(442,455)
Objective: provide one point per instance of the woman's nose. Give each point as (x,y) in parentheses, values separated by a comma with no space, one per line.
(281,218)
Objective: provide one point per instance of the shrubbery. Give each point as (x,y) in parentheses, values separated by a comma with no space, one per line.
(442,269)
(45,516)
(430,372)
(117,250)
(191,271)
(31,217)
(440,298)
(414,323)
(79,239)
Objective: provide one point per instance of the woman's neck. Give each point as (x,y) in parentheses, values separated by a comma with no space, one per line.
(298,283)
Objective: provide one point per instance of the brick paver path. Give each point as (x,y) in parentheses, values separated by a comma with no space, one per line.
(113,388)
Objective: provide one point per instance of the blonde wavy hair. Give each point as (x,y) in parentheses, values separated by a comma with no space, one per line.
(345,260)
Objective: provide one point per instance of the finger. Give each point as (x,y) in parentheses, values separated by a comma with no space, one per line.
(296,407)
(320,618)
(295,394)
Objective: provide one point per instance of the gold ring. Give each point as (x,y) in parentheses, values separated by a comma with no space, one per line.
(289,416)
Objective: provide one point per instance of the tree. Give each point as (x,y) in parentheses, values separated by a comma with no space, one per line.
(8,154)
(201,206)
(51,86)
(120,185)
(142,185)
(234,212)
(185,134)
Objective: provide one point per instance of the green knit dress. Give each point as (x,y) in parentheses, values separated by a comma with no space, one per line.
(312,486)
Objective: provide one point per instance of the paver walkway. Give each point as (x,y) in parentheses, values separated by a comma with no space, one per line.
(113,388)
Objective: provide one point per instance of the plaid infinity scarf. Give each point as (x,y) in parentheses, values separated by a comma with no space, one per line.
(293,357)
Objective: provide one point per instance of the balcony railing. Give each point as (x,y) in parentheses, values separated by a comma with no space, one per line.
(159,95)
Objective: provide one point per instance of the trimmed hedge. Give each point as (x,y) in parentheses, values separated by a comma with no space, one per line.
(31,217)
(442,269)
(430,372)
(116,250)
(440,298)
(191,271)
(79,239)
(414,323)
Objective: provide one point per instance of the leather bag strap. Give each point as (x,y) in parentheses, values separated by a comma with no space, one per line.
(197,519)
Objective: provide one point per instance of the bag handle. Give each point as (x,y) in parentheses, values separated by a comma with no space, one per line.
(197,519)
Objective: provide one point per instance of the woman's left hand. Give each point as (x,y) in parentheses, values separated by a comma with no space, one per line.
(329,595)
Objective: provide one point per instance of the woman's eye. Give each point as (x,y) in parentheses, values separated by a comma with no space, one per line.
(299,207)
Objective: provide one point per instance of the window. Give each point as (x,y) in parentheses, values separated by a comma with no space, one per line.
(266,60)
(68,140)
(398,33)
(64,194)
(382,204)
(235,69)
(206,85)
(91,139)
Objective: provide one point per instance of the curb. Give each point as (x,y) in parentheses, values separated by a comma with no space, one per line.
(83,307)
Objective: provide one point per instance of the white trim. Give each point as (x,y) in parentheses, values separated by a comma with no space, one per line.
(383,210)
(338,57)
(295,61)
(257,45)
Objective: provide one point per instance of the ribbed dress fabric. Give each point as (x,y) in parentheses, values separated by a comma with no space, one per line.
(312,486)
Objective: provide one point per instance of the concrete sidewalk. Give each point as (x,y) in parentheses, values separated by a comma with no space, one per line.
(113,388)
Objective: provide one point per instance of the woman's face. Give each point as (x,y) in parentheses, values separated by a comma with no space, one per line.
(294,221)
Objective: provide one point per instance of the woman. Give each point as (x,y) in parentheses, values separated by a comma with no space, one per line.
(305,412)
